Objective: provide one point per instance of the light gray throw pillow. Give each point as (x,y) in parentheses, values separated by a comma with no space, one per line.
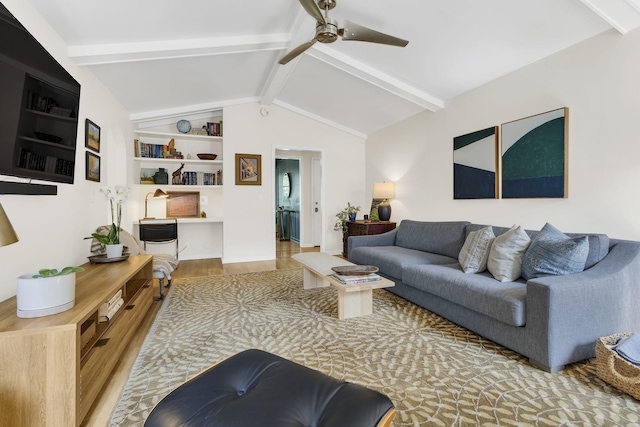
(505,257)
(475,251)
(553,253)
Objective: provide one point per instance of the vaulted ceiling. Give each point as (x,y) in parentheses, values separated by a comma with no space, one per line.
(166,59)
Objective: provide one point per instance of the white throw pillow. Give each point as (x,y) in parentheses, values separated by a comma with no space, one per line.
(475,251)
(505,257)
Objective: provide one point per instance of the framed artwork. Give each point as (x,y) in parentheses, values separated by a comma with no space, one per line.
(92,163)
(373,213)
(535,157)
(183,204)
(475,165)
(248,169)
(91,135)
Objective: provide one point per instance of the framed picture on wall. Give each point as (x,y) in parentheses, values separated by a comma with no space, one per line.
(475,165)
(183,204)
(535,157)
(248,169)
(92,172)
(92,136)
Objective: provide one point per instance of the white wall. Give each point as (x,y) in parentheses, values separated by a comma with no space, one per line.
(597,79)
(249,229)
(51,228)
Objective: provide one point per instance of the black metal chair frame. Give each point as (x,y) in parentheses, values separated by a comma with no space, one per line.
(156,231)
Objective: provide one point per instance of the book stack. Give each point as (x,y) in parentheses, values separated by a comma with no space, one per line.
(202,178)
(361,278)
(214,129)
(155,151)
(110,308)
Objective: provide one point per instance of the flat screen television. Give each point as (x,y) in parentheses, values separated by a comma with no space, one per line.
(38,108)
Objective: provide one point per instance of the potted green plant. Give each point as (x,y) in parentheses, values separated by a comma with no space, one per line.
(49,291)
(116,196)
(345,215)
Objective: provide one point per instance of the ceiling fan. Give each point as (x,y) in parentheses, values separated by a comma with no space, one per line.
(327,30)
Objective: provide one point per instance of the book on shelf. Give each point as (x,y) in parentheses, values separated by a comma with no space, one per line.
(111,307)
(155,151)
(214,129)
(361,278)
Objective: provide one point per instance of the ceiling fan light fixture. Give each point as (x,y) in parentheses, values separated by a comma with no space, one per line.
(327,30)
(327,33)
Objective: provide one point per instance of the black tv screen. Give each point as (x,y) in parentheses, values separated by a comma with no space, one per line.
(39,103)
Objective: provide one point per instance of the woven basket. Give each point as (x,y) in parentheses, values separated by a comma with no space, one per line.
(613,369)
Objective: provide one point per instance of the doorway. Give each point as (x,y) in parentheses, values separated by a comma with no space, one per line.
(287,193)
(306,192)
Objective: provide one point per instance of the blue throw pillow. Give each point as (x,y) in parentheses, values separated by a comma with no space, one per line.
(552,253)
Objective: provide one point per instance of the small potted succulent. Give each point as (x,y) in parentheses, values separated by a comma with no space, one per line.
(49,291)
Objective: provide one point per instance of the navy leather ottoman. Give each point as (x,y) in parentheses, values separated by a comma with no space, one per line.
(259,389)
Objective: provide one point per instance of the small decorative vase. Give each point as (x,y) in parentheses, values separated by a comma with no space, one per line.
(352,217)
(114,251)
(161,177)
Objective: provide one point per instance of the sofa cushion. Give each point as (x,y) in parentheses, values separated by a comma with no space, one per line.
(478,292)
(444,238)
(553,253)
(505,257)
(598,243)
(391,260)
(598,248)
(475,251)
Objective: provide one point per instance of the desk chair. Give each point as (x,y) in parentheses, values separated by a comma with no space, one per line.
(163,264)
(159,231)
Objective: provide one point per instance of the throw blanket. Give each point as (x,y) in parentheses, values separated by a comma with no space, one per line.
(161,262)
(629,349)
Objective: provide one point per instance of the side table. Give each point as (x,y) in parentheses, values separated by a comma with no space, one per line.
(362,227)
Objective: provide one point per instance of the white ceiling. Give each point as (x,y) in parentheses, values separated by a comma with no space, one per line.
(165,59)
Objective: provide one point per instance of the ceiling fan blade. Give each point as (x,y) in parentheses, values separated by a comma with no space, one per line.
(297,51)
(357,32)
(312,9)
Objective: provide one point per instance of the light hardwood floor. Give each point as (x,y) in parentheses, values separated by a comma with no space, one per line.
(100,413)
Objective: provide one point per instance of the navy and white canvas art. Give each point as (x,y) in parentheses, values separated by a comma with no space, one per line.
(534,156)
(475,165)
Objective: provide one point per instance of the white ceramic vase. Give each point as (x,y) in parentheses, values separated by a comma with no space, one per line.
(114,251)
(43,296)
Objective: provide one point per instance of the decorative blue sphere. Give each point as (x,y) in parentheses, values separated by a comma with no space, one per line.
(183,126)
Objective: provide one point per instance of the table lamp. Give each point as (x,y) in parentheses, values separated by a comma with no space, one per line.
(7,233)
(156,194)
(384,191)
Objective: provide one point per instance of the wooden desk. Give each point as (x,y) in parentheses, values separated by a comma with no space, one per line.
(361,227)
(47,377)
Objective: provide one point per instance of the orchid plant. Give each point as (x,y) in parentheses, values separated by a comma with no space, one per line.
(116,196)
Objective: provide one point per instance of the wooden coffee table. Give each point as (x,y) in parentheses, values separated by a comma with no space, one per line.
(354,300)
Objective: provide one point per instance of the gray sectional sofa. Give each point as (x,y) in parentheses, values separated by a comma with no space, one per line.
(552,320)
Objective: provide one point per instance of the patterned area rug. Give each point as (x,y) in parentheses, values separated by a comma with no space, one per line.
(436,373)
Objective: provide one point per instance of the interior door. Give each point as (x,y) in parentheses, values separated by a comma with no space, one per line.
(316,193)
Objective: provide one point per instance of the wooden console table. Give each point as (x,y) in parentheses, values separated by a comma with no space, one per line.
(47,377)
(364,228)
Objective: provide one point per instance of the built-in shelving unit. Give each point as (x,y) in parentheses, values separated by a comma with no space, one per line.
(190,146)
(199,237)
